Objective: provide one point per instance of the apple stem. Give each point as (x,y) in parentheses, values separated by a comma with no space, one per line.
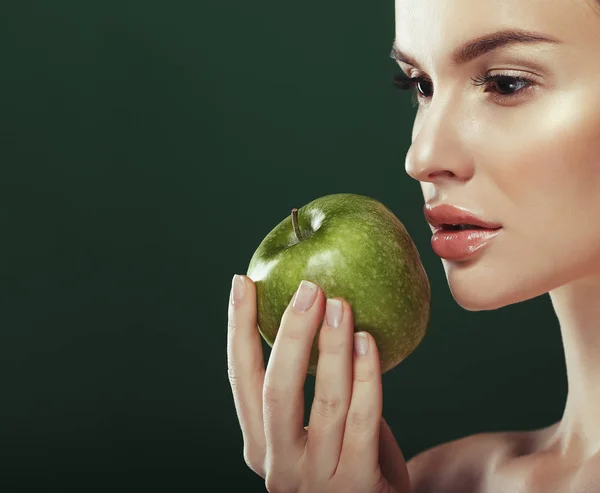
(295,224)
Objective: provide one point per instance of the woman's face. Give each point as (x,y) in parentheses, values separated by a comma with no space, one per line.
(524,156)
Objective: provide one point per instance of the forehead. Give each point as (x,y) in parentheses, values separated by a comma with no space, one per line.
(428,30)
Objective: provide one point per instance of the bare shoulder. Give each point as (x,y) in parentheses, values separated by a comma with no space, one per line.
(461,465)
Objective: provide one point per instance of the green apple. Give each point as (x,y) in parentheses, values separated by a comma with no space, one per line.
(355,248)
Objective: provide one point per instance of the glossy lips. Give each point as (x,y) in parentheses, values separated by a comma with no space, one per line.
(452,243)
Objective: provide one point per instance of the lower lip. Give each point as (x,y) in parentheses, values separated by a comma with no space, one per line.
(461,245)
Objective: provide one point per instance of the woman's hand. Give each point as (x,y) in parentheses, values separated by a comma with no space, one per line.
(347,446)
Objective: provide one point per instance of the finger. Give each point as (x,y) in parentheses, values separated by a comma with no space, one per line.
(245,366)
(333,387)
(391,459)
(361,435)
(283,393)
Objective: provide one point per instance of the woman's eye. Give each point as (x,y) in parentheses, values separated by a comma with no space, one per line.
(425,87)
(501,85)
(507,85)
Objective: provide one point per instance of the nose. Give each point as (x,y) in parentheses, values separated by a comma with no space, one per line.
(439,147)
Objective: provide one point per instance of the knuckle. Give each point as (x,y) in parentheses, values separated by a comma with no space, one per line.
(359,422)
(273,397)
(235,322)
(365,374)
(328,344)
(292,333)
(327,405)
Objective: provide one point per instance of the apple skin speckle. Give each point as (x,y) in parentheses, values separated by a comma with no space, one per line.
(355,248)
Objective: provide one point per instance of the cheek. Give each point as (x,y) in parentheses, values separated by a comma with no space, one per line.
(543,178)
(549,168)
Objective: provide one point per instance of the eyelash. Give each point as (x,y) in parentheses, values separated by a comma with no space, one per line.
(404,83)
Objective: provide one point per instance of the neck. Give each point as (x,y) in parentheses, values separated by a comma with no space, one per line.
(577,306)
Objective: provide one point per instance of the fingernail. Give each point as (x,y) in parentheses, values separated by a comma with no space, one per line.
(238,289)
(333,312)
(361,343)
(305,296)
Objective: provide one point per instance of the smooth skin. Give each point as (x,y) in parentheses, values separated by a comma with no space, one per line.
(524,155)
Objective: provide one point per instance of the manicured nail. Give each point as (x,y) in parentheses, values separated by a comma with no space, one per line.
(238,289)
(305,296)
(333,312)
(361,343)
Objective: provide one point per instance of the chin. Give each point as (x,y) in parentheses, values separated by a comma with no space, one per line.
(476,289)
(474,301)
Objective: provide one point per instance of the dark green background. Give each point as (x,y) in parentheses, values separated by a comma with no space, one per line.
(147,148)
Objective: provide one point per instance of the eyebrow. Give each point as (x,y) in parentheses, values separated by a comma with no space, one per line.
(480,46)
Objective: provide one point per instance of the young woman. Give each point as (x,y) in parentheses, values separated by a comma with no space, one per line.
(507,135)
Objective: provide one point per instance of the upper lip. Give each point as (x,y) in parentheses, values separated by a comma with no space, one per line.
(446,214)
